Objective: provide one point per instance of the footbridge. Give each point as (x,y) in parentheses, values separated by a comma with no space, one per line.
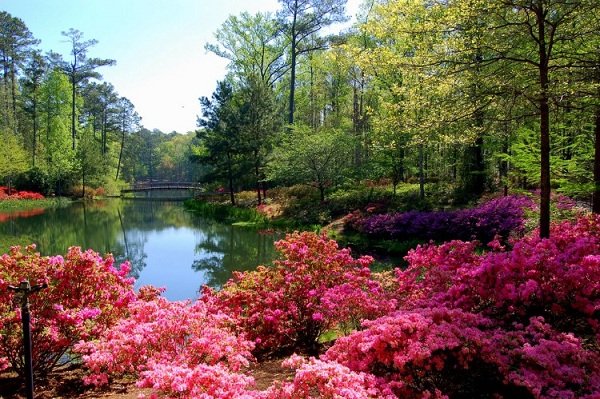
(164,190)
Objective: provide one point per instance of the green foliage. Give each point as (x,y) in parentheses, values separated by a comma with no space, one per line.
(321,158)
(227,213)
(12,156)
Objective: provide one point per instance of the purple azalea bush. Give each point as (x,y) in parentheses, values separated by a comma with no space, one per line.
(497,217)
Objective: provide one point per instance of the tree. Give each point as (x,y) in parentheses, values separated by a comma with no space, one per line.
(100,105)
(321,158)
(302,20)
(80,68)
(255,50)
(258,124)
(128,120)
(89,161)
(35,70)
(543,31)
(13,159)
(220,136)
(15,44)
(57,154)
(254,47)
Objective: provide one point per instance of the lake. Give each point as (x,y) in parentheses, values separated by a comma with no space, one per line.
(166,245)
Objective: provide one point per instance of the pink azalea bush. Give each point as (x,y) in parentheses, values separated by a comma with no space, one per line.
(457,323)
(202,381)
(557,278)
(167,343)
(315,286)
(520,323)
(86,294)
(321,379)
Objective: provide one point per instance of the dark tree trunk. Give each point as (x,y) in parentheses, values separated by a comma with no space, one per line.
(292,88)
(73,130)
(230,178)
(35,130)
(120,153)
(421,172)
(544,128)
(292,105)
(596,195)
(257,174)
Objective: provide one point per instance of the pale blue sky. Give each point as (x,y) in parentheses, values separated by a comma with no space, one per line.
(162,66)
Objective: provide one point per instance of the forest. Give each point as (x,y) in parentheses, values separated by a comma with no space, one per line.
(65,131)
(461,97)
(465,131)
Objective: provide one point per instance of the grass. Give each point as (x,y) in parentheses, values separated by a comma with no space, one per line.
(23,205)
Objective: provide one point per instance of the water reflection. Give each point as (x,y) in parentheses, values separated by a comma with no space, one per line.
(166,245)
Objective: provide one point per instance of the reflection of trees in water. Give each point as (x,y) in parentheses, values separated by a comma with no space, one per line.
(88,225)
(122,228)
(224,249)
(156,215)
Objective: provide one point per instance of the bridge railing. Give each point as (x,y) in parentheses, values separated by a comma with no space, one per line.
(145,185)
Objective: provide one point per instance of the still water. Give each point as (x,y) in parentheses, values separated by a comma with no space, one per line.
(166,245)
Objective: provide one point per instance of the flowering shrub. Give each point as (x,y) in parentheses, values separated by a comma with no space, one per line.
(314,287)
(176,347)
(557,278)
(19,195)
(497,217)
(86,294)
(201,381)
(546,363)
(327,379)
(407,347)
(520,323)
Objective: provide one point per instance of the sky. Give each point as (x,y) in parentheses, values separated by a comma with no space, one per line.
(158,45)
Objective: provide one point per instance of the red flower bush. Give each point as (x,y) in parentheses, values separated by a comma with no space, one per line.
(314,287)
(19,195)
(86,294)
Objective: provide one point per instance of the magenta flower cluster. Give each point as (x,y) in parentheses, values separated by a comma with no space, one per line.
(497,217)
(86,295)
(458,322)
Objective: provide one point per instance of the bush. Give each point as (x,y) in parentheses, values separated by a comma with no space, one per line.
(174,346)
(85,296)
(19,195)
(520,323)
(34,180)
(326,379)
(498,217)
(314,287)
(457,323)
(226,213)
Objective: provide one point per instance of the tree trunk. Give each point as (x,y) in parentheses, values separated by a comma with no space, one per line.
(421,172)
(293,72)
(120,153)
(73,112)
(83,183)
(35,130)
(544,128)
(596,194)
(230,178)
(257,174)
